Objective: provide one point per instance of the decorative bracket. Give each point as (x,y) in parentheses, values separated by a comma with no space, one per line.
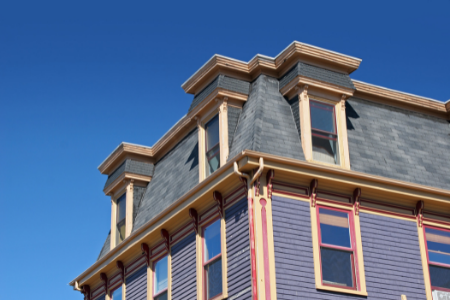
(194,216)
(165,236)
(357,200)
(419,212)
(122,270)
(313,191)
(269,177)
(86,290)
(244,182)
(104,278)
(218,198)
(146,251)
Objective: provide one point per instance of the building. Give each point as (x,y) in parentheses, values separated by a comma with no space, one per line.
(286,179)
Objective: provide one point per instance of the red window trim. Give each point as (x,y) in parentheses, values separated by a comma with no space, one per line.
(433,263)
(153,278)
(205,292)
(353,249)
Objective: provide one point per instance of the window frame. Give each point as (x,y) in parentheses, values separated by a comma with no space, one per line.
(428,258)
(353,249)
(124,220)
(337,155)
(166,290)
(217,153)
(111,292)
(204,264)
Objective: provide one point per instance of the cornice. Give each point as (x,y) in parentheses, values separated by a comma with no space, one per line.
(125,176)
(302,80)
(271,65)
(402,97)
(248,160)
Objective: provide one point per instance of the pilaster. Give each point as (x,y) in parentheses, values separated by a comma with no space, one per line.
(305,122)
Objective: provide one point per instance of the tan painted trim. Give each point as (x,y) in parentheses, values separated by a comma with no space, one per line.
(301,80)
(223,131)
(119,183)
(343,137)
(150,282)
(423,255)
(264,64)
(169,274)
(305,122)
(129,208)
(199,264)
(112,238)
(316,252)
(201,150)
(400,97)
(223,245)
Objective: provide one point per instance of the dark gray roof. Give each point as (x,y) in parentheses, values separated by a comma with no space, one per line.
(106,246)
(130,166)
(233,117)
(266,123)
(175,174)
(302,69)
(224,82)
(397,143)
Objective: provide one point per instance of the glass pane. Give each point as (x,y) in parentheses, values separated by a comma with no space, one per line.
(440,277)
(334,227)
(337,267)
(213,159)
(214,278)
(163,296)
(121,208)
(322,116)
(212,240)
(438,242)
(325,150)
(117,294)
(120,233)
(212,133)
(160,275)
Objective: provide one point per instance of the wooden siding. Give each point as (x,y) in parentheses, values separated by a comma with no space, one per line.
(184,281)
(238,251)
(136,285)
(391,255)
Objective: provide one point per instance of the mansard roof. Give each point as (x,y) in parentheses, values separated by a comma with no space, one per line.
(384,139)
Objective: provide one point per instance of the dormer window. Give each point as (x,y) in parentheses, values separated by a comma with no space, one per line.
(120,218)
(325,146)
(212,145)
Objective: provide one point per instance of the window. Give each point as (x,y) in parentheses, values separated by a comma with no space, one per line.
(325,146)
(438,253)
(212,145)
(120,218)
(160,279)
(337,248)
(117,294)
(212,260)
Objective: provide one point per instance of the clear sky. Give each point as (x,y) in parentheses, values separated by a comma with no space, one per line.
(79,77)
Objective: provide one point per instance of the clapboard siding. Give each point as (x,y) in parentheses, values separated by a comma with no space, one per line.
(390,248)
(238,251)
(136,285)
(184,284)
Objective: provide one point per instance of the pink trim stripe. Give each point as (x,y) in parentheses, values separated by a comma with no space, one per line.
(265,248)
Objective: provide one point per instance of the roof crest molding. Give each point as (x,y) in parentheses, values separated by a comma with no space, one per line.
(274,65)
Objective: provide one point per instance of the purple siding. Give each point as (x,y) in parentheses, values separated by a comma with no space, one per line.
(136,285)
(184,281)
(238,251)
(390,247)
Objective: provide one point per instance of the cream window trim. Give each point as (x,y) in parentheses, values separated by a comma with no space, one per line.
(305,126)
(129,208)
(112,238)
(423,255)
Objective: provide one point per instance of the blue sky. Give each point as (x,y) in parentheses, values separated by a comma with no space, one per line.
(77,78)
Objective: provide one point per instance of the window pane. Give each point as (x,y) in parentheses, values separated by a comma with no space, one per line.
(213,160)
(214,278)
(120,232)
(117,294)
(334,227)
(160,275)
(337,267)
(325,150)
(163,296)
(322,116)
(121,208)
(440,277)
(212,133)
(438,243)
(212,240)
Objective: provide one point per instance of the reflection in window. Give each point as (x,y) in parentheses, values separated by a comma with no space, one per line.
(160,279)
(117,294)
(120,219)
(336,248)
(438,246)
(212,146)
(212,260)
(324,134)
